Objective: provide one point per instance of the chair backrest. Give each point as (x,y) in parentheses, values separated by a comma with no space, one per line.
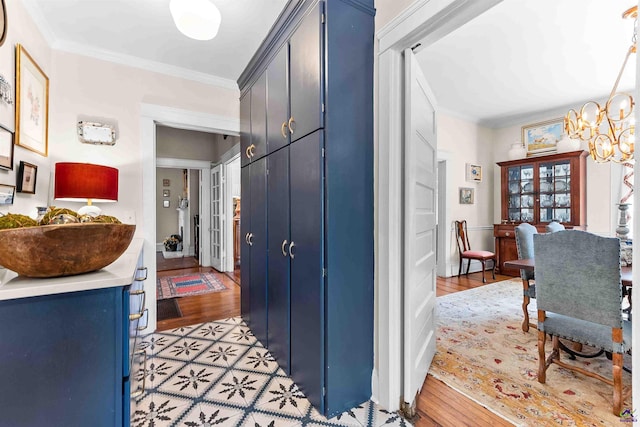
(524,244)
(461,236)
(578,275)
(554,226)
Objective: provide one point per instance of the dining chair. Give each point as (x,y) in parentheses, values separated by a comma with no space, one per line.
(524,244)
(465,252)
(554,226)
(579,297)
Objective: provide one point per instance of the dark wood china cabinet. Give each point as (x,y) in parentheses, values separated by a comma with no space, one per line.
(539,190)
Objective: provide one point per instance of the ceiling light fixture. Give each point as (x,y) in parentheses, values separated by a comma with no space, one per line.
(612,139)
(197,19)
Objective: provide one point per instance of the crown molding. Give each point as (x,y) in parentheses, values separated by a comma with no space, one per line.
(145,64)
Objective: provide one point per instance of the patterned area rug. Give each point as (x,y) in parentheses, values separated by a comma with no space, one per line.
(483,353)
(187,285)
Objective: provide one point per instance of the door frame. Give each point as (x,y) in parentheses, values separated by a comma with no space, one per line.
(150,116)
(221,214)
(425,21)
(227,158)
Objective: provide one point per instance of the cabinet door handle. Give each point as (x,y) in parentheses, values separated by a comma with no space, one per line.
(246,152)
(292,125)
(144,297)
(136,316)
(284,248)
(142,328)
(140,391)
(291,254)
(250,239)
(142,279)
(282,129)
(246,238)
(251,148)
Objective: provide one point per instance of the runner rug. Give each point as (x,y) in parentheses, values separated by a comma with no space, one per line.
(483,353)
(187,285)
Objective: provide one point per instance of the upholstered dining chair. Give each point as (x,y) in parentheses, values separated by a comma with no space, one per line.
(554,226)
(579,297)
(524,244)
(465,252)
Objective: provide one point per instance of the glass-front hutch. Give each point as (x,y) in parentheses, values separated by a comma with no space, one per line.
(539,190)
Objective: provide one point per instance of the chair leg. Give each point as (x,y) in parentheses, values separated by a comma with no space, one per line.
(525,304)
(483,268)
(468,266)
(617,383)
(460,267)
(542,362)
(493,270)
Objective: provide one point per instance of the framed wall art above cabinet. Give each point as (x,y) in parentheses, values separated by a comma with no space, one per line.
(539,190)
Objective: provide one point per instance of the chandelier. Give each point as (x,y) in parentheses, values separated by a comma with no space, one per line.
(609,130)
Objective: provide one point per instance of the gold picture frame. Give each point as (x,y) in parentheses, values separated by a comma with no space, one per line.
(543,137)
(32,104)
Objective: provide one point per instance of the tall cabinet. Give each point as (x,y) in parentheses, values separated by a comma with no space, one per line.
(539,190)
(307,195)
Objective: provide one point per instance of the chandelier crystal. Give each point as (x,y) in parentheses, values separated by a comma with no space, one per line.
(610,131)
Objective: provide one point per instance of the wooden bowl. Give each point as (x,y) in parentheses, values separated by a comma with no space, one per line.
(63,250)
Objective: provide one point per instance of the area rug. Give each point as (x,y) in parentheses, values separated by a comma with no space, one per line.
(168,309)
(187,285)
(483,353)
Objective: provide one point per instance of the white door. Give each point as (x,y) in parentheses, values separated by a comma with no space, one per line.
(216,217)
(420,228)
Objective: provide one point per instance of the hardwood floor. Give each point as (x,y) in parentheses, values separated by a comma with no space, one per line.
(437,404)
(164,264)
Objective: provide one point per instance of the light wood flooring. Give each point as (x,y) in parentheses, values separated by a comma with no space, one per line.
(437,404)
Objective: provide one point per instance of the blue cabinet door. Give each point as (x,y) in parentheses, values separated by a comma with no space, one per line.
(245,128)
(245,249)
(61,359)
(278,101)
(258,245)
(307,261)
(258,147)
(306,75)
(278,264)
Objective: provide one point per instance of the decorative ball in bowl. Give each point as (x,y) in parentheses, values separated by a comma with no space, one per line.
(64,249)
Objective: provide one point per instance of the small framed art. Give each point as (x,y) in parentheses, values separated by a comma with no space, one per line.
(166,182)
(32,104)
(473,172)
(165,204)
(166,193)
(27,174)
(6,149)
(543,137)
(466,196)
(7,192)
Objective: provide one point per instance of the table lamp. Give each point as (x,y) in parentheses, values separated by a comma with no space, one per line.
(86,182)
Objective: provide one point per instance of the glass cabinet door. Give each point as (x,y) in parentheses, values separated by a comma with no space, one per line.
(521,193)
(555,191)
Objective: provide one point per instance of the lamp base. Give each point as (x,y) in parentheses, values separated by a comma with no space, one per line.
(89,210)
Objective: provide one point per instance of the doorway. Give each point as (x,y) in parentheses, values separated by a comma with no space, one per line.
(151,116)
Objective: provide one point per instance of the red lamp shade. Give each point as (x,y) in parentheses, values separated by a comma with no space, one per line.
(79,182)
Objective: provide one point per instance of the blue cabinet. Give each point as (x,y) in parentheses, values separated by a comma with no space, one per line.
(318,62)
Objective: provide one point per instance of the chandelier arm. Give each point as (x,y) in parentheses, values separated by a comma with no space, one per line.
(631,50)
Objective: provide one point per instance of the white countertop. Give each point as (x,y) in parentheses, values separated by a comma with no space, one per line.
(121,272)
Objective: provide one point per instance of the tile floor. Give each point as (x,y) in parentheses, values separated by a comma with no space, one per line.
(217,373)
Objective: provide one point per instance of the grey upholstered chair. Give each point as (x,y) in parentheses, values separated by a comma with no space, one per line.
(579,296)
(554,226)
(524,244)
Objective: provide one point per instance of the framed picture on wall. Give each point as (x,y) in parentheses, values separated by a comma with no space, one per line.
(32,104)
(6,149)
(27,174)
(165,204)
(473,172)
(6,194)
(166,193)
(166,182)
(542,138)
(466,196)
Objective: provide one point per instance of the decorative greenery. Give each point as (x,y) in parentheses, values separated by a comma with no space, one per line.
(16,221)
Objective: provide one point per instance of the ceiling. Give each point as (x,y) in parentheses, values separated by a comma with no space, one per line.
(518,58)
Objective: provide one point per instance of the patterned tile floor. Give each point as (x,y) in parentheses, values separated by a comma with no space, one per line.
(217,373)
